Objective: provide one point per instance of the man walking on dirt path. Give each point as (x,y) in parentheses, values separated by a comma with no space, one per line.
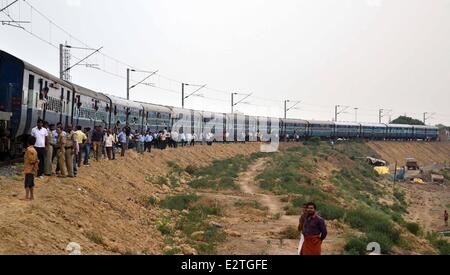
(446,218)
(314,231)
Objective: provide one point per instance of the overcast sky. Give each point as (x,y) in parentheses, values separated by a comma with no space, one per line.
(368,54)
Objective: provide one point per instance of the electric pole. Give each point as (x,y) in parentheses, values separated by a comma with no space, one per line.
(61,57)
(285,108)
(182,95)
(232,103)
(336,112)
(191,94)
(380,115)
(128,84)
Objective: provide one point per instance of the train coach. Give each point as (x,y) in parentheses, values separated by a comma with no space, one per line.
(28,93)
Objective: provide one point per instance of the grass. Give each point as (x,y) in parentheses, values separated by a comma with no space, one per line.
(95,237)
(221,174)
(356,245)
(151,201)
(377,226)
(414,228)
(251,203)
(439,243)
(290,233)
(164,227)
(195,221)
(179,202)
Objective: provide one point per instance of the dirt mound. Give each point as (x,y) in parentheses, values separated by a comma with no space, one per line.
(425,152)
(104,210)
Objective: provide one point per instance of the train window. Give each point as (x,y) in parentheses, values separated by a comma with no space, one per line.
(31,82)
(40,89)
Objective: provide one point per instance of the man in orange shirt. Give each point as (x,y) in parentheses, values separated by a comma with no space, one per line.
(31,163)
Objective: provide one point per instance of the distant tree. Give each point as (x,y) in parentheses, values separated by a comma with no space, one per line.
(407,120)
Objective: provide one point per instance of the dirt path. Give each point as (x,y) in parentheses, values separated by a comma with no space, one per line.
(427,204)
(263,236)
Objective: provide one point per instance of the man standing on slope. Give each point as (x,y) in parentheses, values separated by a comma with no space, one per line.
(314,231)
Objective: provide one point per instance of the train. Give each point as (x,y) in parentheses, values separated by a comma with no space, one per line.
(28,93)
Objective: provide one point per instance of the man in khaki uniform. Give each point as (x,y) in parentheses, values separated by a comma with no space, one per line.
(70,150)
(61,152)
(48,167)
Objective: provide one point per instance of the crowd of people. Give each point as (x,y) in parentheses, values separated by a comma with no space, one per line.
(54,150)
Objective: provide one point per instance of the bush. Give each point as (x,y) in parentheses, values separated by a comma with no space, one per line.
(195,221)
(164,228)
(381,238)
(330,211)
(95,237)
(356,245)
(179,202)
(440,244)
(376,224)
(413,228)
(190,169)
(151,201)
(290,233)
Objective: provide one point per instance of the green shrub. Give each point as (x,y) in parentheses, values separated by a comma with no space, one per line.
(151,201)
(95,237)
(164,228)
(439,243)
(220,175)
(330,211)
(413,228)
(381,238)
(290,233)
(374,223)
(190,169)
(356,245)
(179,202)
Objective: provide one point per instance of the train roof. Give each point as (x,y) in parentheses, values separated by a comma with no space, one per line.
(87,92)
(369,124)
(38,71)
(149,107)
(123,102)
(321,122)
(425,127)
(293,120)
(342,123)
(399,126)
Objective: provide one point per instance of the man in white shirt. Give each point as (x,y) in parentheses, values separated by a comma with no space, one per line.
(188,138)
(183,139)
(148,142)
(40,133)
